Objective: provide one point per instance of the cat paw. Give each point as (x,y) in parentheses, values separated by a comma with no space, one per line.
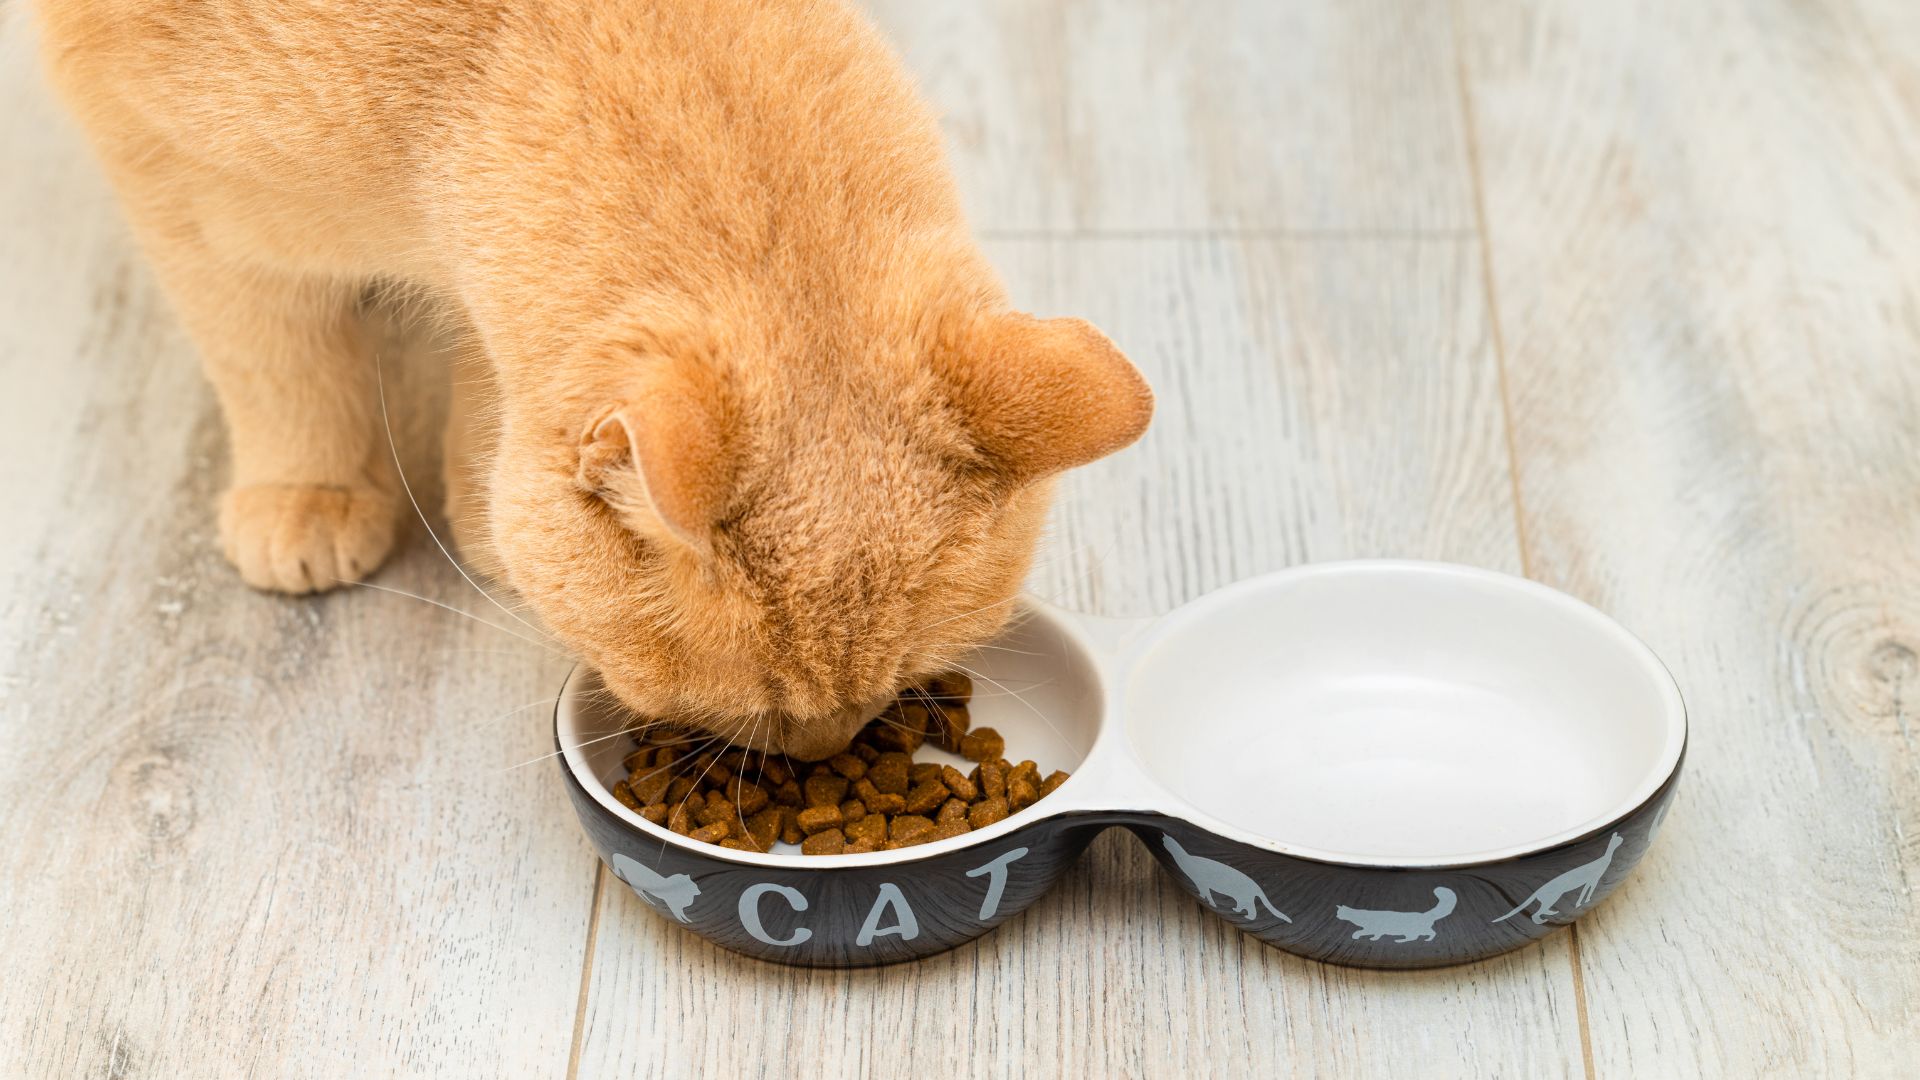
(302,538)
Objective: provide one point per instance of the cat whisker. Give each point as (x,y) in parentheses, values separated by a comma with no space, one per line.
(995,648)
(484,724)
(1022,700)
(969,614)
(380,379)
(448,607)
(556,753)
(991,695)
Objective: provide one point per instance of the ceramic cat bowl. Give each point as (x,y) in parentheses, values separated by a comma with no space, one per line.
(1380,763)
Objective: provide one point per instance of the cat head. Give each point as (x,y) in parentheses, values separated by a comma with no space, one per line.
(769,534)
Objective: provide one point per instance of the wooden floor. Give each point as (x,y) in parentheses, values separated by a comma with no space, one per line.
(1624,296)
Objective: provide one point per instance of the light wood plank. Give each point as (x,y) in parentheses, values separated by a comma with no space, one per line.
(1237,114)
(239,834)
(1319,400)
(1702,220)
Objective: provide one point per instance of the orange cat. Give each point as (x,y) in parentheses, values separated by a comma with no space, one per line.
(763,440)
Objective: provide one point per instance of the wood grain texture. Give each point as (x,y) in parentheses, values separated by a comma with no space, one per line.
(1140,116)
(1702,221)
(239,834)
(1649,266)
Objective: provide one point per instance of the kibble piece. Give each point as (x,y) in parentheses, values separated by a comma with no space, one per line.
(750,797)
(678,790)
(712,833)
(830,842)
(790,832)
(652,786)
(993,780)
(693,802)
(788,793)
(888,735)
(950,684)
(890,774)
(624,793)
(773,772)
(1052,783)
(910,829)
(950,724)
(982,744)
(848,765)
(820,818)
(926,798)
(957,782)
(865,752)
(665,756)
(637,760)
(1027,769)
(915,716)
(872,827)
(877,801)
(764,827)
(943,830)
(716,808)
(951,810)
(923,771)
(657,813)
(1021,793)
(987,811)
(853,810)
(861,847)
(826,790)
(679,820)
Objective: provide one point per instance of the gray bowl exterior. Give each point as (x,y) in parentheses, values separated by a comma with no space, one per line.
(1386,917)
(837,916)
(1363,916)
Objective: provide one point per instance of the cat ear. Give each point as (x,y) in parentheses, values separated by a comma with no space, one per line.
(662,457)
(1040,396)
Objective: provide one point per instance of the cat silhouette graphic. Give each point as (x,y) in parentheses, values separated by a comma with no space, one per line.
(1584,878)
(673,893)
(1211,877)
(1659,819)
(1405,926)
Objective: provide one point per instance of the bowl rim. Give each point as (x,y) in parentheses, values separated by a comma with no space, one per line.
(573,764)
(1661,771)
(1113,726)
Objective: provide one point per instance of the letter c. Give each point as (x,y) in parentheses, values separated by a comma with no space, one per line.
(750,913)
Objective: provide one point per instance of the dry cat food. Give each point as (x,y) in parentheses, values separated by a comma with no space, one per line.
(872,796)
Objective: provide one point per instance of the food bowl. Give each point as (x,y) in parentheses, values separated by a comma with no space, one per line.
(1378,763)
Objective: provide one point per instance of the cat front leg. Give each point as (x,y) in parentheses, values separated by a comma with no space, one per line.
(311,504)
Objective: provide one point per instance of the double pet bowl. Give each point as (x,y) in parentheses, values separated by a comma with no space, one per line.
(1380,763)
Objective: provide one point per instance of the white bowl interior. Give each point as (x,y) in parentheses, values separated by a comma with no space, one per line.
(1402,713)
(1035,684)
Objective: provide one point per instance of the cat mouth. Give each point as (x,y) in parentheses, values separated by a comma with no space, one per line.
(820,738)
